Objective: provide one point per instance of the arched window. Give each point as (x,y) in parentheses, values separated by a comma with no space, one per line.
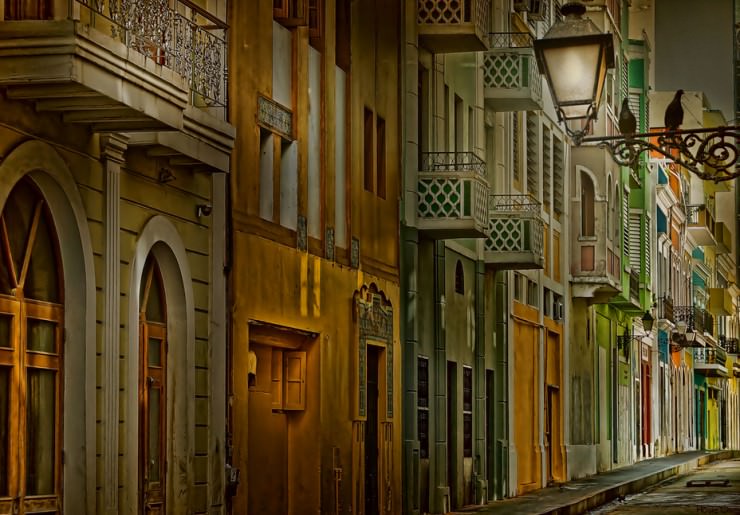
(459,278)
(152,388)
(31,329)
(588,198)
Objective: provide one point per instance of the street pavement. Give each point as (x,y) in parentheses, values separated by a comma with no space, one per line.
(582,495)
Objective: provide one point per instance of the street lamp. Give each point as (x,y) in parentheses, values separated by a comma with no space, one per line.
(574,56)
(626,339)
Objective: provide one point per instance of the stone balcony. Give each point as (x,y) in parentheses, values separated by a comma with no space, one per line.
(149,68)
(511,81)
(515,236)
(452,196)
(701,225)
(447,26)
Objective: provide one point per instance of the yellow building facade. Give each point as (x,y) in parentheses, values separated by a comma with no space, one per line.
(314,381)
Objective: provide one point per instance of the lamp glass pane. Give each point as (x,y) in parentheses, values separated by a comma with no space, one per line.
(572,72)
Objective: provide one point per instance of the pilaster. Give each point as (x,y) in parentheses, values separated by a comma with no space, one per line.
(112,149)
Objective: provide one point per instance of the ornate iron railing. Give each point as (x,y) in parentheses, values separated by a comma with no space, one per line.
(510,40)
(193,45)
(665,308)
(685,314)
(731,345)
(515,203)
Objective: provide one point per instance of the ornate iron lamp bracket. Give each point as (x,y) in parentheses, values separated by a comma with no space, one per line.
(711,153)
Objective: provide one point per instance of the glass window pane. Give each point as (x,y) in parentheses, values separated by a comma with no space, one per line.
(154,352)
(4,402)
(18,214)
(6,324)
(154,426)
(40,427)
(155,305)
(42,282)
(41,335)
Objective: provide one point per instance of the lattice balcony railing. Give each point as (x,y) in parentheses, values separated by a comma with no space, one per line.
(512,69)
(452,186)
(515,225)
(451,12)
(510,40)
(176,34)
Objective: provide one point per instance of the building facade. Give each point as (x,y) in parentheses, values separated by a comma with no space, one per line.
(115,150)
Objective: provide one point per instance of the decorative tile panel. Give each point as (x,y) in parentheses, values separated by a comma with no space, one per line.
(354,259)
(374,318)
(329,242)
(301,233)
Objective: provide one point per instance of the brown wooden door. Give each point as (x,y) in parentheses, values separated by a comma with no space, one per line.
(153,394)
(31,315)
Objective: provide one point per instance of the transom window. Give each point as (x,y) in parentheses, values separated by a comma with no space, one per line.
(31,331)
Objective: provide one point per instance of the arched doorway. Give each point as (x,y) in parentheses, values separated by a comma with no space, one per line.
(152,389)
(31,348)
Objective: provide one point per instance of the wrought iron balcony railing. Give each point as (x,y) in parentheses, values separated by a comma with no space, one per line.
(730,345)
(665,309)
(710,356)
(194,46)
(453,194)
(515,235)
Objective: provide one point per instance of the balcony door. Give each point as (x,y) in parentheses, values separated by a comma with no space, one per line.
(31,329)
(152,391)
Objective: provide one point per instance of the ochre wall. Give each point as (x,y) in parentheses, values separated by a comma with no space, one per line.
(282,286)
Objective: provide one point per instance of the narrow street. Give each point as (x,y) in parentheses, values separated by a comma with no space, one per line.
(712,488)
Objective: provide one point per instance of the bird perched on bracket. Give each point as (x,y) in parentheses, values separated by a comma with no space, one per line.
(627,120)
(674,112)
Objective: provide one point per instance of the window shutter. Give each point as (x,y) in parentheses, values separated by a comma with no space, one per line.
(532,155)
(295,380)
(276,384)
(634,241)
(559,174)
(648,254)
(625,225)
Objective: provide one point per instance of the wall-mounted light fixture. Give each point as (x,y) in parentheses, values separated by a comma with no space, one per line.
(203,210)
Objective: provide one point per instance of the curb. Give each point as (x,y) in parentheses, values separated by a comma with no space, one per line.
(610,493)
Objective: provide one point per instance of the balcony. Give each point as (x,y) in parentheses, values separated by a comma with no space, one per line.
(511,80)
(723,237)
(701,225)
(694,322)
(720,302)
(142,66)
(628,300)
(515,233)
(730,345)
(453,195)
(710,362)
(447,26)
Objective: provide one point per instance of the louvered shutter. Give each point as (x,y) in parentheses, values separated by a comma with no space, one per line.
(634,240)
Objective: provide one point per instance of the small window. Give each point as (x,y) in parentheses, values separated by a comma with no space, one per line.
(422,402)
(368,150)
(288,383)
(459,278)
(588,198)
(532,293)
(467,412)
(380,156)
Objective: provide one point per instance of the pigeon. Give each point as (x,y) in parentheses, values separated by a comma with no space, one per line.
(627,120)
(674,112)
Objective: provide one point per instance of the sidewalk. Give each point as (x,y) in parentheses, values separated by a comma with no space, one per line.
(580,495)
